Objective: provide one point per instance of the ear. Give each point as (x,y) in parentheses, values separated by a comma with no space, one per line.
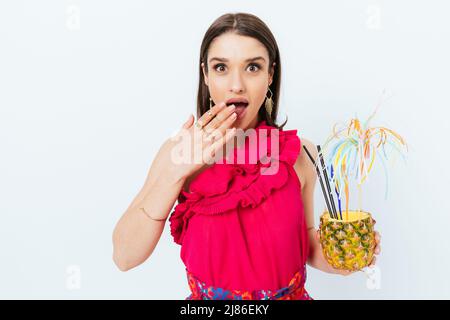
(271,73)
(205,76)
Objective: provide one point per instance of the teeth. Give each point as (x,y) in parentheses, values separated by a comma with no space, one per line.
(235,103)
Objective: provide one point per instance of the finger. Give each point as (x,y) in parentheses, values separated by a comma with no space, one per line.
(210,153)
(372,263)
(226,124)
(377,236)
(377,249)
(219,119)
(344,272)
(218,143)
(207,116)
(188,122)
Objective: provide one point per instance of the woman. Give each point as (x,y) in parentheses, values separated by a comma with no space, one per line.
(244,234)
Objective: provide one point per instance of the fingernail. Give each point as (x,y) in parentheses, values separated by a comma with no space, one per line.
(232,107)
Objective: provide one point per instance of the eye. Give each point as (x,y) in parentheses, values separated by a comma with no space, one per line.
(218,65)
(255,65)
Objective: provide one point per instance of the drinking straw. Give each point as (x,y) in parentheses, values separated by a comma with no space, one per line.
(337,193)
(325,173)
(321,182)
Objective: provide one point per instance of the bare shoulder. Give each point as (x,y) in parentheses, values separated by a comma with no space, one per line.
(303,165)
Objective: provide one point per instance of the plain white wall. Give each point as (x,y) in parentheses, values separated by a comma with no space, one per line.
(90,89)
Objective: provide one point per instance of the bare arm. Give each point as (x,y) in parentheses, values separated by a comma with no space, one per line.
(136,235)
(305,167)
(137,232)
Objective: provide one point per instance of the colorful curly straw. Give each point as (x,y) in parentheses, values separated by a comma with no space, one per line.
(354,146)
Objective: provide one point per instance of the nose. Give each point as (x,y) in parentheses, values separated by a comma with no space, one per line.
(237,85)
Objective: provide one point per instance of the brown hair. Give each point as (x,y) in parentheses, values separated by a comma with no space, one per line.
(243,24)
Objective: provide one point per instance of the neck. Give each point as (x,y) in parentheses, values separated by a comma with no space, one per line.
(253,123)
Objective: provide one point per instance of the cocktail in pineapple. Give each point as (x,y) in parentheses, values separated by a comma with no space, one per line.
(347,236)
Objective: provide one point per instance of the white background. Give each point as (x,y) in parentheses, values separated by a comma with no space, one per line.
(90,89)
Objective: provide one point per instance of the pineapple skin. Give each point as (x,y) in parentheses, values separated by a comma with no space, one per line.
(348,245)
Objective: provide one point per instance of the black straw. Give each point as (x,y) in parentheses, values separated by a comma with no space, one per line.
(327,181)
(321,181)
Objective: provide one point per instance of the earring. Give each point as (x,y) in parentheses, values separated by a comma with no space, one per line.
(210,103)
(269,103)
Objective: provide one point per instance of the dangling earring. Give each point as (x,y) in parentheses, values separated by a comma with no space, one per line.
(210,103)
(269,103)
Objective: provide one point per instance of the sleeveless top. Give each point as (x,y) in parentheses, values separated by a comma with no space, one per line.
(241,226)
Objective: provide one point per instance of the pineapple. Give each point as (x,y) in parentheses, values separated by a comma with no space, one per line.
(348,244)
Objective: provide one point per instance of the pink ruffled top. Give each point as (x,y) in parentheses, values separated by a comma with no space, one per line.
(241,225)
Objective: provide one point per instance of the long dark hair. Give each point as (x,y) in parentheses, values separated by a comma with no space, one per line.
(243,24)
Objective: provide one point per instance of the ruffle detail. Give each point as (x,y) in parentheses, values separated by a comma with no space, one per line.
(227,186)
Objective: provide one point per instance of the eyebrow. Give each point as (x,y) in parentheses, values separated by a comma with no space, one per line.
(247,60)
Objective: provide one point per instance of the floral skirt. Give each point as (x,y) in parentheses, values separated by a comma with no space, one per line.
(295,290)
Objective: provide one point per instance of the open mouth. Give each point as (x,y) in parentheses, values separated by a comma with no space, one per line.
(241,107)
(238,104)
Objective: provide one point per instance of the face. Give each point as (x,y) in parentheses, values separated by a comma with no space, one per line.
(238,67)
